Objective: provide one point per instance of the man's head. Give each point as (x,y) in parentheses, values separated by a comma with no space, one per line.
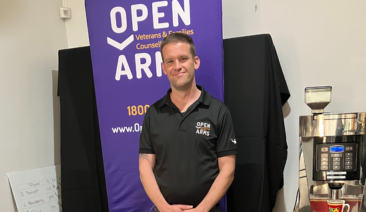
(178,37)
(179,61)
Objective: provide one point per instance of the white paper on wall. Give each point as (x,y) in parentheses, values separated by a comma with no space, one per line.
(37,190)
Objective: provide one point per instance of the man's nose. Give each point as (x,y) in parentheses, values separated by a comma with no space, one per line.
(177,65)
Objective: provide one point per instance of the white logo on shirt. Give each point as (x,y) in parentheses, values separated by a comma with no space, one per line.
(203,128)
(233,140)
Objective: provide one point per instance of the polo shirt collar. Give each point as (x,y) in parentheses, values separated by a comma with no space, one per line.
(204,97)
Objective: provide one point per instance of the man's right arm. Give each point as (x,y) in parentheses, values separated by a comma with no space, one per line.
(146,167)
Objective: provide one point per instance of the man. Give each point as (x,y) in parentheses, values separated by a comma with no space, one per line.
(187,145)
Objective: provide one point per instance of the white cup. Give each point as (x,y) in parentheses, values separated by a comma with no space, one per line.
(338,206)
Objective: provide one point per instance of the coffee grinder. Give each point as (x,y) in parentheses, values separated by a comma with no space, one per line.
(332,156)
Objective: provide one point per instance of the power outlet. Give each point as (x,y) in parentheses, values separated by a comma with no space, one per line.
(65,12)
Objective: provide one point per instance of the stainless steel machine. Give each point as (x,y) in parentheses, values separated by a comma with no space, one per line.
(332,156)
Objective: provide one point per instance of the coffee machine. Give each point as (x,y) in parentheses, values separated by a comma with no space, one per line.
(332,156)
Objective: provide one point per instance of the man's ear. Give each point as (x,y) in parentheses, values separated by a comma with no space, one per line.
(197,62)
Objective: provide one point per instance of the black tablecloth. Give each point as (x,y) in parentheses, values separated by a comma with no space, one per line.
(255,90)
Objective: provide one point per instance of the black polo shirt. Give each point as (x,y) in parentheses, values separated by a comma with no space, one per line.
(187,146)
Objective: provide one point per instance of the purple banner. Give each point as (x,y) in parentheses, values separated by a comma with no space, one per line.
(125,38)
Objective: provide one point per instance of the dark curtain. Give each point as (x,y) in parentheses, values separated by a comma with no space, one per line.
(82,172)
(255,90)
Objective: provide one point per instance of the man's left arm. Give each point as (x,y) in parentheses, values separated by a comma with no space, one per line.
(220,185)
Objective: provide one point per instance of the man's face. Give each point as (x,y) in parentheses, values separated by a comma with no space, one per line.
(179,65)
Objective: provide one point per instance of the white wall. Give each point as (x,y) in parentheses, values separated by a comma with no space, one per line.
(31,33)
(76,27)
(318,43)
